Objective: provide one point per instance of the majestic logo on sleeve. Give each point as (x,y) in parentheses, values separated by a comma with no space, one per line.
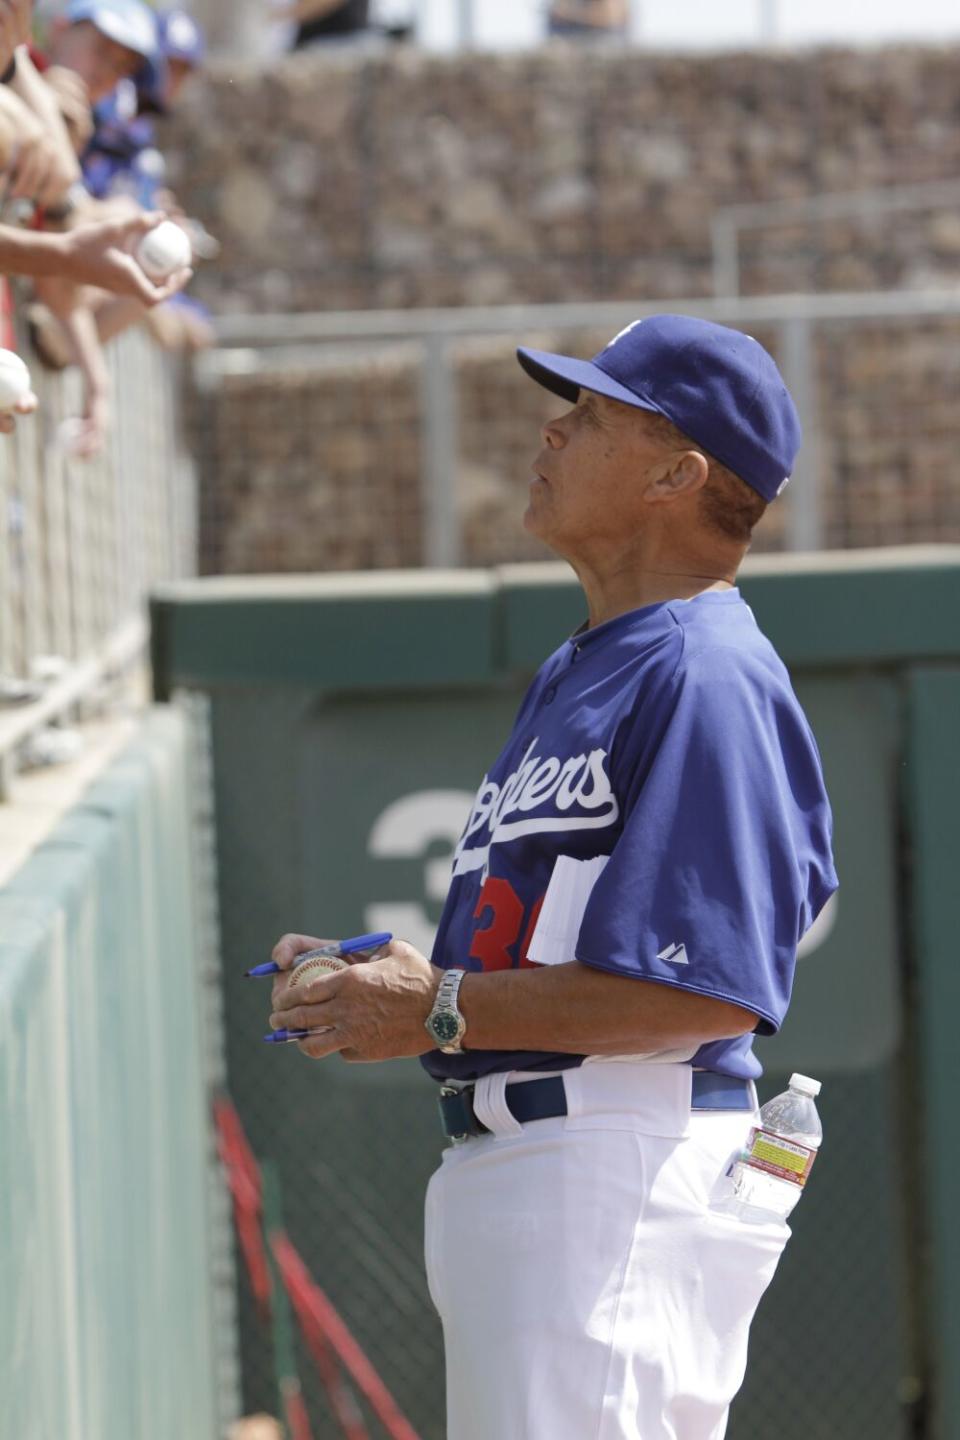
(572,794)
(676,954)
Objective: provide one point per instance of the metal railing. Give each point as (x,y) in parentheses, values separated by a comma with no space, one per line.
(84,541)
(729,222)
(258,344)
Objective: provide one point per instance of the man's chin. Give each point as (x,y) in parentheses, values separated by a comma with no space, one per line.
(531,521)
(536,526)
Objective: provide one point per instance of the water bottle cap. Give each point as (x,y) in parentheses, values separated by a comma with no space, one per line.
(805,1085)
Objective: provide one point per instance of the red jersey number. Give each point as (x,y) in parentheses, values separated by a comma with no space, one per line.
(501,907)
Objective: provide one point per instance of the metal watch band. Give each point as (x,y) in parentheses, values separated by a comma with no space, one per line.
(445,1021)
(448,988)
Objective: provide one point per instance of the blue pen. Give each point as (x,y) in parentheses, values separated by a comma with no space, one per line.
(290,1037)
(342,947)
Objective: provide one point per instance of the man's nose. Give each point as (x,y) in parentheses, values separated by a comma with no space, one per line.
(552,435)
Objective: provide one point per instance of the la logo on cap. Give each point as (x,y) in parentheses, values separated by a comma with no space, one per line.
(625,331)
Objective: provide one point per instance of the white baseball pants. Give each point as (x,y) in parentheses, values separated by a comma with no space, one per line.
(586,1288)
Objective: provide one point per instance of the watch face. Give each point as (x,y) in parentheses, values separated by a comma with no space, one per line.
(446,1027)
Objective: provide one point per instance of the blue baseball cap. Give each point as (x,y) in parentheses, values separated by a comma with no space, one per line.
(181,38)
(717,385)
(128,22)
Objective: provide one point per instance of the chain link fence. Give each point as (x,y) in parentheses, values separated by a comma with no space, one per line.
(203,863)
(83,541)
(353,1147)
(86,539)
(414,445)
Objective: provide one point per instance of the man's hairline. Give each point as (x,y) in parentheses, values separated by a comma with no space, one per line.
(682,444)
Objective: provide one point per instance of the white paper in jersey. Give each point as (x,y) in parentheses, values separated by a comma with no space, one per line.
(554,939)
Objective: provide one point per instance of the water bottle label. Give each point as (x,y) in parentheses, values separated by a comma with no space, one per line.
(779,1156)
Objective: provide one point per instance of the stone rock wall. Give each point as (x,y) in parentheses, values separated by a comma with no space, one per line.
(319,468)
(398,179)
(310,467)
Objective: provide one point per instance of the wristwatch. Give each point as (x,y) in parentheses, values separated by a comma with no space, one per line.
(445,1024)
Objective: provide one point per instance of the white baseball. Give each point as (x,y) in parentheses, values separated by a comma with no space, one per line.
(164,250)
(14,379)
(315,965)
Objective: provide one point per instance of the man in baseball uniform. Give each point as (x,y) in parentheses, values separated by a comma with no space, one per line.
(627,898)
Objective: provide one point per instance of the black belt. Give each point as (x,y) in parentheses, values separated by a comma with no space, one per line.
(547,1098)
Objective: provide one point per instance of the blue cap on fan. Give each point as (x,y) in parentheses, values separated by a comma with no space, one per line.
(128,22)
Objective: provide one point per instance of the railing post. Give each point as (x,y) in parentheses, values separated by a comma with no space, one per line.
(797,355)
(769,22)
(726,256)
(465,30)
(8,771)
(237,30)
(441,546)
(6,593)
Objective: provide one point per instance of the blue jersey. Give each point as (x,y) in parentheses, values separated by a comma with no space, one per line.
(670,740)
(121,158)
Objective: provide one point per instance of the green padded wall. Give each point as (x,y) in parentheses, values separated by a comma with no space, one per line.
(353,717)
(105,1298)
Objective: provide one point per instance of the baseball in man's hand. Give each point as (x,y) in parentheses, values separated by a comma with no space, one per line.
(315,963)
(163,251)
(14,380)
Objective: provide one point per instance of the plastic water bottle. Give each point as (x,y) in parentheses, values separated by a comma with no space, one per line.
(769,1176)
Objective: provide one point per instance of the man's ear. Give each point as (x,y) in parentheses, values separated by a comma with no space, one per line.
(683,473)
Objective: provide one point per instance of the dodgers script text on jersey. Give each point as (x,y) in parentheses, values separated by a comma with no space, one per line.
(670,740)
